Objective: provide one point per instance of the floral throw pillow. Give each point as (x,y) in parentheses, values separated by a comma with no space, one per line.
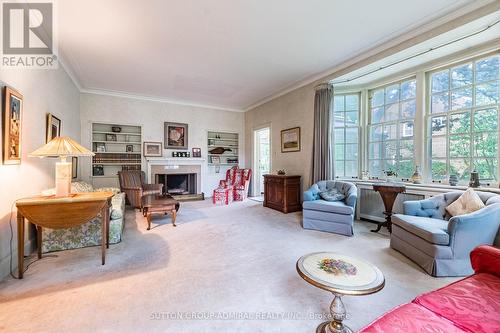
(332,195)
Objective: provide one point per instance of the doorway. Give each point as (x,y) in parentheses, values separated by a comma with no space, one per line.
(262,158)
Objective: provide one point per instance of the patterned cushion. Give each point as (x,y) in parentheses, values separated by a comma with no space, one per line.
(77,187)
(332,195)
(115,190)
(472,303)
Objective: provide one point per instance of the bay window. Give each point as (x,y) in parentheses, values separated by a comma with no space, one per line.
(346,130)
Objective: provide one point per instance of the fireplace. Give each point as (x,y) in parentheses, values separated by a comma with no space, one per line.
(178,183)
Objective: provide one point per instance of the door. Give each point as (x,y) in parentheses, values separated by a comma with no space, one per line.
(262,158)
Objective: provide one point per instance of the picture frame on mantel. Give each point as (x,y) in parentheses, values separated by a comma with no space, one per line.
(176,136)
(290,140)
(153,149)
(12,121)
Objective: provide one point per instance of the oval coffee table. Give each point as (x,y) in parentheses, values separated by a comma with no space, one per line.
(341,275)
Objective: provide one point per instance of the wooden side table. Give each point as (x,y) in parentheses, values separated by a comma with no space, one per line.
(59,213)
(159,204)
(282,192)
(389,193)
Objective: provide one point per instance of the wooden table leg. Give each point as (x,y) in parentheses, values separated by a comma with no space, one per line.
(39,241)
(104,225)
(174,216)
(20,244)
(108,218)
(148,217)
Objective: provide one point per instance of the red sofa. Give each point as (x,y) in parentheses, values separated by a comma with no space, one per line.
(468,305)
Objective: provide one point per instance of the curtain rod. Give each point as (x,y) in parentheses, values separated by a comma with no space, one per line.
(489,26)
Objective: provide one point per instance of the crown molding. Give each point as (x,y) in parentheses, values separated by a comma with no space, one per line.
(416,33)
(122,94)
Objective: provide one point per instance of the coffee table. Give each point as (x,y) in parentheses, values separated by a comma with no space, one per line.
(340,275)
(159,204)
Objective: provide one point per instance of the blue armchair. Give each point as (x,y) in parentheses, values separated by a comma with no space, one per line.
(439,243)
(331,216)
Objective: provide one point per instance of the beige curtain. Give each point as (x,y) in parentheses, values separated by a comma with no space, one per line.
(322,165)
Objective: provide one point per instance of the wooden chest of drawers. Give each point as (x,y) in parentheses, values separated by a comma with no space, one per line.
(282,193)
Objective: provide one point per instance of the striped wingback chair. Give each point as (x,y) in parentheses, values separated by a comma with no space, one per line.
(241,184)
(133,183)
(234,187)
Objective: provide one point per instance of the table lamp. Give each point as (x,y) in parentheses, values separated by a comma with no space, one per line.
(62,147)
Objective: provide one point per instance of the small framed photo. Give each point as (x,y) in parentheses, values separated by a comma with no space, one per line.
(12,115)
(176,136)
(110,137)
(53,127)
(196,152)
(129,148)
(98,170)
(290,140)
(74,167)
(153,149)
(215,159)
(100,147)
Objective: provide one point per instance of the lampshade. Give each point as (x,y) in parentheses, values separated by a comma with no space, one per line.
(62,147)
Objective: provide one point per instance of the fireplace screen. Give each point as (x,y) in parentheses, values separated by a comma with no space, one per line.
(178,184)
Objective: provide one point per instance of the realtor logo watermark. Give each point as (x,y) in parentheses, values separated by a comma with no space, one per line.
(29,35)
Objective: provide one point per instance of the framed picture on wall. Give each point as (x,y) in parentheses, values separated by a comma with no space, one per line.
(196,152)
(153,149)
(12,115)
(74,167)
(53,127)
(176,136)
(290,140)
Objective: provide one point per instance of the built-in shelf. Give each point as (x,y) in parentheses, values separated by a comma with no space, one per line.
(118,133)
(117,142)
(226,140)
(120,163)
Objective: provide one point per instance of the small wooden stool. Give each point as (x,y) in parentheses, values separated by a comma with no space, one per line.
(159,204)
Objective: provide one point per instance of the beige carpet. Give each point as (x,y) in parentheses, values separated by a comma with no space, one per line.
(218,264)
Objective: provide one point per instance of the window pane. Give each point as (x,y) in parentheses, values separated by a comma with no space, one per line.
(440,81)
(352,102)
(438,147)
(374,168)
(486,144)
(376,133)
(392,94)
(486,120)
(460,167)
(487,93)
(459,146)
(405,169)
(487,69)
(438,125)
(390,149)
(460,123)
(351,118)
(408,89)
(378,97)
(406,149)
(408,109)
(375,150)
(377,115)
(487,168)
(390,165)
(390,132)
(338,103)
(351,135)
(461,76)
(440,103)
(461,98)
(406,130)
(391,112)
(339,135)
(351,168)
(351,152)
(339,152)
(438,169)
(339,168)
(339,119)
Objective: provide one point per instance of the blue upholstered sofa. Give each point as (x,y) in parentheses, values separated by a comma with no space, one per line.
(331,216)
(439,243)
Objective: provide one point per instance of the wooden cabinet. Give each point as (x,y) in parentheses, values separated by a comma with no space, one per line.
(282,193)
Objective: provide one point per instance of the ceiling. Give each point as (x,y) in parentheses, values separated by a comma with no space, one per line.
(226,53)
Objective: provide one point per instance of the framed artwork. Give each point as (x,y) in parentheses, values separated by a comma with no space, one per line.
(153,149)
(196,152)
(97,170)
(290,140)
(12,115)
(129,148)
(74,167)
(53,127)
(176,136)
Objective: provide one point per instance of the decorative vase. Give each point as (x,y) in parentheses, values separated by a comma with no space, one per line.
(453,180)
(474,179)
(416,178)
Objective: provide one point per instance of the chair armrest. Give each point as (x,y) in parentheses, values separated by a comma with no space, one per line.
(474,229)
(152,187)
(351,197)
(486,259)
(131,188)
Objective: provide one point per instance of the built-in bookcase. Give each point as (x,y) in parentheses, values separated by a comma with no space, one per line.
(116,147)
(227,140)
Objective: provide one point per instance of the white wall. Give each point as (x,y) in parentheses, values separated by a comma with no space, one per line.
(151,115)
(44,91)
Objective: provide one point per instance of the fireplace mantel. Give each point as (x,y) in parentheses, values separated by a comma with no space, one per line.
(173,163)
